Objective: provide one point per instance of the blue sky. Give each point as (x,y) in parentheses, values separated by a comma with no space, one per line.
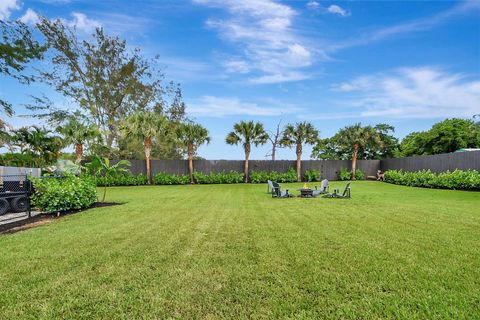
(334,63)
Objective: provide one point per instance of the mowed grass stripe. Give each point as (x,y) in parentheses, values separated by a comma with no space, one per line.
(230,251)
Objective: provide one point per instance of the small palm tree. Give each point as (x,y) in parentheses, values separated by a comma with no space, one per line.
(145,125)
(247,132)
(358,137)
(191,136)
(78,133)
(299,134)
(102,167)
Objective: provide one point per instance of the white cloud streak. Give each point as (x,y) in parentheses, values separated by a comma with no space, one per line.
(424,92)
(417,25)
(338,10)
(30,17)
(7,7)
(218,107)
(82,23)
(313,5)
(262,30)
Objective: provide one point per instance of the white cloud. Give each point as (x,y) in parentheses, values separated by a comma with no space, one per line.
(313,5)
(338,10)
(6,8)
(55,2)
(237,66)
(425,92)
(82,23)
(126,24)
(263,33)
(417,25)
(30,17)
(186,69)
(279,78)
(218,107)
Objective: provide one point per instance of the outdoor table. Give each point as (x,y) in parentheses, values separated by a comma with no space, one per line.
(306,193)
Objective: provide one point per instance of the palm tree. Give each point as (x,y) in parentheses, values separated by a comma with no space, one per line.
(247,132)
(299,134)
(39,143)
(358,137)
(102,167)
(191,136)
(145,125)
(77,133)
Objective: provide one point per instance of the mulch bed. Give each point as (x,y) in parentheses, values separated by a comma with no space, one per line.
(45,218)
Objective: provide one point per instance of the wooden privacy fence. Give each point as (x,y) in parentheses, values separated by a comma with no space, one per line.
(329,168)
(436,163)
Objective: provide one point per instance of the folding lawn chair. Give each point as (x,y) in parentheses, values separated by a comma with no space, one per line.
(337,194)
(279,193)
(269,186)
(323,188)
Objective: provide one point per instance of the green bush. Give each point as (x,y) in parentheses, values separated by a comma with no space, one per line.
(27,159)
(312,175)
(458,179)
(262,176)
(221,177)
(121,179)
(345,174)
(163,178)
(359,174)
(61,194)
(289,176)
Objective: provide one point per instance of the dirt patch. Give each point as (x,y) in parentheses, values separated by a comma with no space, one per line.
(45,218)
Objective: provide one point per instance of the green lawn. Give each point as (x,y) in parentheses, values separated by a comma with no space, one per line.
(231,251)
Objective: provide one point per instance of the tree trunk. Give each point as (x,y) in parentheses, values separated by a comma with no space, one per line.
(299,162)
(190,162)
(79,152)
(354,160)
(247,155)
(112,135)
(147,143)
(104,193)
(274,150)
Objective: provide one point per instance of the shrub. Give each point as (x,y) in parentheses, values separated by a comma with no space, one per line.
(312,175)
(289,176)
(163,178)
(359,174)
(221,177)
(262,176)
(345,174)
(125,179)
(66,193)
(458,179)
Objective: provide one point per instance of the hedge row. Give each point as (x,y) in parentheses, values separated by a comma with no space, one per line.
(121,180)
(229,177)
(458,179)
